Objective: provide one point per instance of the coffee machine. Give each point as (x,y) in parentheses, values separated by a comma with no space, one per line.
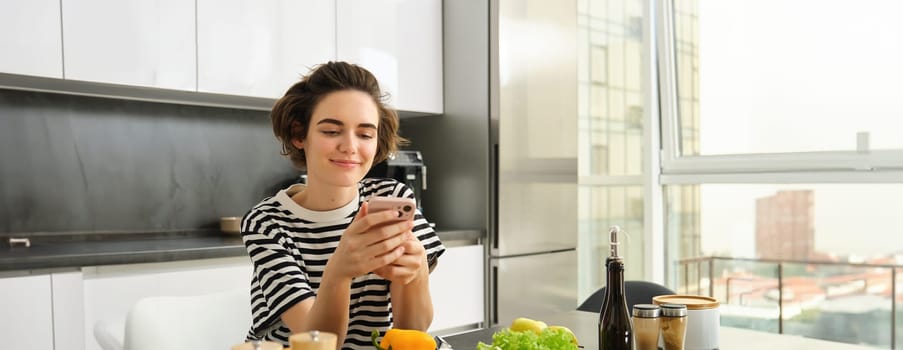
(407,167)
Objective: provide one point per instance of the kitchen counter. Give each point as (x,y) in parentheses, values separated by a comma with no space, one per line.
(91,249)
(585,327)
(76,250)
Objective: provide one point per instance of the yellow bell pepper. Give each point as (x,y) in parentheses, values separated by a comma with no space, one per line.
(404,339)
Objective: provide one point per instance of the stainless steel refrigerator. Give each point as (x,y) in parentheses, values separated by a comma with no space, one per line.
(503,156)
(533,136)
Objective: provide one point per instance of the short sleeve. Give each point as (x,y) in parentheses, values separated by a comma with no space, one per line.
(280,281)
(430,240)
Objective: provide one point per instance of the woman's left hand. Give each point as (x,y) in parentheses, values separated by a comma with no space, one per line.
(411,265)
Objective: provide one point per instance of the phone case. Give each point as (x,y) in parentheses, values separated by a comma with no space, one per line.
(405,207)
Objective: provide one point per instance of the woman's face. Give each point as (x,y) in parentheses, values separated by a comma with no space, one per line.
(341,139)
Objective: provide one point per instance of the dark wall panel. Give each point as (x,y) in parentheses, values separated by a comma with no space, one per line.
(71,163)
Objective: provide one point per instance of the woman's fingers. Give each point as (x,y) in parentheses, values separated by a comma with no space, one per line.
(388,244)
(367,223)
(405,268)
(375,241)
(395,273)
(413,246)
(378,219)
(386,259)
(381,233)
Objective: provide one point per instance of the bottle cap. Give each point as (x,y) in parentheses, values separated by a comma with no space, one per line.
(646,310)
(674,310)
(613,240)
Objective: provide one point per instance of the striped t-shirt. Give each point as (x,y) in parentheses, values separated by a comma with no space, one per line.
(289,246)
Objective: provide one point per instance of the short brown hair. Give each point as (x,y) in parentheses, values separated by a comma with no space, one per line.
(298,103)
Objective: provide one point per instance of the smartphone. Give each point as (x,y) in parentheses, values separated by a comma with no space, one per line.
(404,207)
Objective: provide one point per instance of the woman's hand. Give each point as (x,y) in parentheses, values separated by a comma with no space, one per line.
(409,266)
(370,242)
(412,305)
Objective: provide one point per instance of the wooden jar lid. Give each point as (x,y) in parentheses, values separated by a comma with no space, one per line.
(693,302)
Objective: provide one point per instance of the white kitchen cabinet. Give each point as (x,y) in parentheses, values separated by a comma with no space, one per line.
(456,287)
(110,291)
(27,321)
(67,293)
(261,48)
(400,42)
(30,38)
(131,42)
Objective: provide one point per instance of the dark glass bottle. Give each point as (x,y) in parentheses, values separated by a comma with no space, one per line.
(615,326)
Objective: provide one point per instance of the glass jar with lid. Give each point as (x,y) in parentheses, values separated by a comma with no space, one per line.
(646,326)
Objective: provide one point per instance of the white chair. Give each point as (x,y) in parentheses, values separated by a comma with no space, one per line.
(213,321)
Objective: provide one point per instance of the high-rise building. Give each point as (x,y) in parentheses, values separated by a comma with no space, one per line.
(687,200)
(785,225)
(611,93)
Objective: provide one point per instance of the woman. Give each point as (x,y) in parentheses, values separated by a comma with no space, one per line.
(321,261)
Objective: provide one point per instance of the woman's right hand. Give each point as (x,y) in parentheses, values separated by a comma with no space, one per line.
(369,242)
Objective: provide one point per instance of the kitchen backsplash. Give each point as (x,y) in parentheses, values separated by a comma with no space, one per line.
(73,163)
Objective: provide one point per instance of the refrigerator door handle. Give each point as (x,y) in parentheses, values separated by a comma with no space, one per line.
(494,192)
(494,300)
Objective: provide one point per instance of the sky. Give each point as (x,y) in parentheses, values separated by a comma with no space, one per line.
(802,75)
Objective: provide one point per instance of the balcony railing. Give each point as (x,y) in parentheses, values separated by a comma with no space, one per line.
(839,301)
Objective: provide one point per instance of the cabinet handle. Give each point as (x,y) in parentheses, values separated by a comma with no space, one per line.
(13,241)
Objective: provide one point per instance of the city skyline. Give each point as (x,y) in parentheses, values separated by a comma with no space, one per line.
(843,224)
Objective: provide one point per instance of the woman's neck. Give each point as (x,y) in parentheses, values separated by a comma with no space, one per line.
(323,197)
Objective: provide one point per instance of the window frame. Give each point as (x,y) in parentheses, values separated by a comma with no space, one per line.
(854,166)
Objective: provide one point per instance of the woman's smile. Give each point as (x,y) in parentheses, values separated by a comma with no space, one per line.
(345,163)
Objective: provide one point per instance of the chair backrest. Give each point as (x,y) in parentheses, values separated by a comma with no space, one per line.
(636,292)
(212,321)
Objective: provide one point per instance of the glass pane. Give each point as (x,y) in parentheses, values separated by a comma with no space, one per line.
(611,89)
(837,244)
(823,301)
(899,310)
(600,208)
(748,292)
(773,76)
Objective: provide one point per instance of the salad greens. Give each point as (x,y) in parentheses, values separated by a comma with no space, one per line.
(548,339)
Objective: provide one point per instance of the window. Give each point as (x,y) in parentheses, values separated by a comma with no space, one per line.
(783,85)
(828,251)
(782,161)
(612,95)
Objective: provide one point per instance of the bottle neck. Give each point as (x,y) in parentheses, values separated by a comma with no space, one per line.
(615,279)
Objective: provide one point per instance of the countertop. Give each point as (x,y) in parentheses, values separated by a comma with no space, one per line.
(585,327)
(54,250)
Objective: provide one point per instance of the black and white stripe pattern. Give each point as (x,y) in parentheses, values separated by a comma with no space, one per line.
(289,246)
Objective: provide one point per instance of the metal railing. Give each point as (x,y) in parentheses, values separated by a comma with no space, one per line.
(684,264)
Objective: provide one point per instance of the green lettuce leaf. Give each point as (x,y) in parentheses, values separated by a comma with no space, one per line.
(547,340)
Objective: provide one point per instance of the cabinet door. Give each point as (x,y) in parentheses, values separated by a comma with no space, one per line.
(399,41)
(27,321)
(456,287)
(110,291)
(261,48)
(130,42)
(68,310)
(30,38)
